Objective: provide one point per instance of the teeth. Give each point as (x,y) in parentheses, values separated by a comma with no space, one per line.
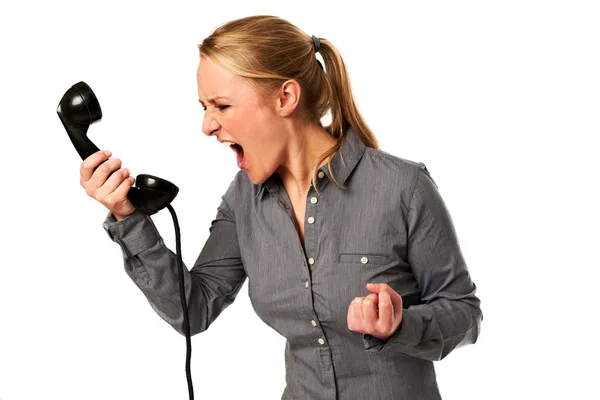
(227,144)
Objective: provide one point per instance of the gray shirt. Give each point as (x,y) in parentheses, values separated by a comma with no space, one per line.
(389,225)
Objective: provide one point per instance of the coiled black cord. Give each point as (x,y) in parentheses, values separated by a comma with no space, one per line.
(186,322)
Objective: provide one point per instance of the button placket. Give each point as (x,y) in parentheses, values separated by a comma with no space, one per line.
(311,260)
(311,219)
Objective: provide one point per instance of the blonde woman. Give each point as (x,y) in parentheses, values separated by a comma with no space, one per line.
(350,252)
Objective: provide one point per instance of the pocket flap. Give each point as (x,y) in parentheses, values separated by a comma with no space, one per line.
(363,258)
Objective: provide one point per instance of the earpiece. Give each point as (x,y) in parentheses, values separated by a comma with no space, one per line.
(77,110)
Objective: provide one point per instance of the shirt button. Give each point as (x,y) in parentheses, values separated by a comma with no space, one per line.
(364,260)
(321,341)
(321,174)
(311,220)
(313,200)
(306,283)
(311,261)
(313,322)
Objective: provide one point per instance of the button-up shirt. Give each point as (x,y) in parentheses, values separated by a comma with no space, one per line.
(387,224)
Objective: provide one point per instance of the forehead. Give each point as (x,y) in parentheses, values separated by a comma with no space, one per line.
(214,81)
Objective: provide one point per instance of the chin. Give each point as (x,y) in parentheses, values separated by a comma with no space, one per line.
(257,180)
(251,177)
(254,179)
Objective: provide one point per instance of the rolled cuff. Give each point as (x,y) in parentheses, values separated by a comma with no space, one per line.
(407,335)
(135,233)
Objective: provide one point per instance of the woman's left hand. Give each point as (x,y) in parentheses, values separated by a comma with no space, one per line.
(378,314)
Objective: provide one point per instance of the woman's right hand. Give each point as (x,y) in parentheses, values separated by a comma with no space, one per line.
(111,192)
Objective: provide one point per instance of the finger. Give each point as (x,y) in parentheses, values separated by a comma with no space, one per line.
(384,287)
(386,312)
(369,310)
(357,312)
(372,297)
(86,168)
(99,176)
(350,317)
(113,182)
(121,191)
(354,319)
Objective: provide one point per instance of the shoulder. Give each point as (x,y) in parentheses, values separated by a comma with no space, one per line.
(399,162)
(410,180)
(392,169)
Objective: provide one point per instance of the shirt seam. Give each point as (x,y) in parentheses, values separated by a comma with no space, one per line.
(412,196)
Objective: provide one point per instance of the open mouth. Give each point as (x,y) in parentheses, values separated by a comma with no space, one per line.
(237,148)
(239,151)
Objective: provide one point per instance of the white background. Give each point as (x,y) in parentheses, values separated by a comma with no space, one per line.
(499,99)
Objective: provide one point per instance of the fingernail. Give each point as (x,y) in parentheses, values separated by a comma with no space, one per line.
(107,152)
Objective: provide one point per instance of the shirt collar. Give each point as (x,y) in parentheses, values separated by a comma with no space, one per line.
(343,162)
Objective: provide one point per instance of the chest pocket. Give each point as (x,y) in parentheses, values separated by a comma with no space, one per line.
(359,268)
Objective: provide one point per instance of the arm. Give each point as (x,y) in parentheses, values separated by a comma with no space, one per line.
(210,286)
(450,316)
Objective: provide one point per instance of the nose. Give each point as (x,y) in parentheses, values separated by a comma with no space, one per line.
(209,125)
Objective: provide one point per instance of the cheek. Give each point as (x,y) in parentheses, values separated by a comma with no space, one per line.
(267,143)
(263,149)
(261,137)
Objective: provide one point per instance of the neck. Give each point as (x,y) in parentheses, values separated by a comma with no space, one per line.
(305,145)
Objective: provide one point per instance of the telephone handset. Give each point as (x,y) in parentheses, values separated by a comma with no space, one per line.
(77,110)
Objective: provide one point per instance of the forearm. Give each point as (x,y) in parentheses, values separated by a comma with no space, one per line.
(431,331)
(153,268)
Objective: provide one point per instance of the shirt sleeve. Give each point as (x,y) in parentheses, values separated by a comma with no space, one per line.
(210,286)
(450,315)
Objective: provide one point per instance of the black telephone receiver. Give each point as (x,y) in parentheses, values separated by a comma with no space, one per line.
(77,110)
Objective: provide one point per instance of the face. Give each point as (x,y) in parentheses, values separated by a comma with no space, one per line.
(234,113)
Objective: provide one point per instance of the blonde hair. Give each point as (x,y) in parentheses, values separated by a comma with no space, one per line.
(268,51)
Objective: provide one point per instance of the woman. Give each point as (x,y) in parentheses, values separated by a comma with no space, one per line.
(349,251)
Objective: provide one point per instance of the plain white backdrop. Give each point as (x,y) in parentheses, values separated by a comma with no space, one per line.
(499,99)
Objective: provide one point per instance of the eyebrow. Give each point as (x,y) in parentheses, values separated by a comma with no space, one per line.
(212,99)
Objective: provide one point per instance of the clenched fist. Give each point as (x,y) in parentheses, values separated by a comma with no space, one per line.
(378,314)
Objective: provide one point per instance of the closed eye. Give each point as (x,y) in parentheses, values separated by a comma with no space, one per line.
(220,107)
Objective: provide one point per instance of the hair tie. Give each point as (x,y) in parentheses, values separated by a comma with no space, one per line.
(317,47)
(316,43)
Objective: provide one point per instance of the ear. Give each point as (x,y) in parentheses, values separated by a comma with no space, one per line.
(288,97)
